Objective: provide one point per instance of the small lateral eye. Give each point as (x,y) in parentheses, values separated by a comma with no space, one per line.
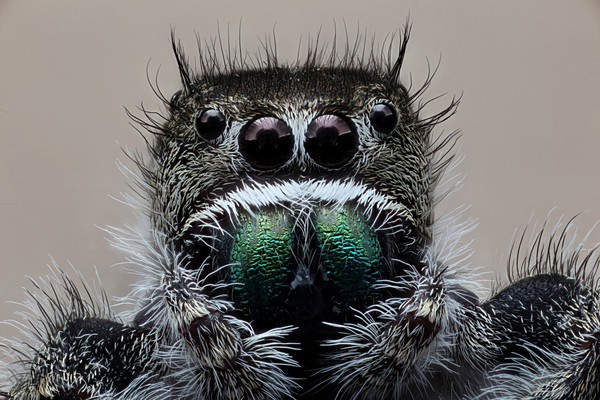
(175,98)
(383,118)
(210,124)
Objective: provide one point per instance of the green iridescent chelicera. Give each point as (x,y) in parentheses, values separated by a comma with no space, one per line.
(350,252)
(340,243)
(261,261)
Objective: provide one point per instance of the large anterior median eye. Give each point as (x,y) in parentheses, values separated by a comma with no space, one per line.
(210,124)
(266,143)
(331,141)
(383,118)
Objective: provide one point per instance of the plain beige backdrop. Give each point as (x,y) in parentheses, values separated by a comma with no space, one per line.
(528,72)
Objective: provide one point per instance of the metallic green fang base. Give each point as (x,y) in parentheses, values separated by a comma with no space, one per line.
(350,252)
(336,241)
(261,261)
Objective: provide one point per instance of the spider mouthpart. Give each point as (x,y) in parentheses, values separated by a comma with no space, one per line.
(299,238)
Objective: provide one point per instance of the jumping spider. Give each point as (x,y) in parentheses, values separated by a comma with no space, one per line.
(293,252)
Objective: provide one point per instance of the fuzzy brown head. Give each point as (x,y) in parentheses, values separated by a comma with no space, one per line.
(302,185)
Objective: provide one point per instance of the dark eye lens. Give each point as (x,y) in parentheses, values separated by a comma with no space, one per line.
(175,99)
(383,118)
(331,141)
(210,124)
(267,143)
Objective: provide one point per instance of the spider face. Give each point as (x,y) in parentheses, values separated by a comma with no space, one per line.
(309,184)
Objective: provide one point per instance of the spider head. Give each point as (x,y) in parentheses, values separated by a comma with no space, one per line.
(311,182)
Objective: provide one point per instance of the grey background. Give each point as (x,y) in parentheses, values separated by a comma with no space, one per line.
(529,73)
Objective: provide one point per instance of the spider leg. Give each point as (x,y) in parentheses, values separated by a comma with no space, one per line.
(77,349)
(206,351)
(391,346)
(547,348)
(541,332)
